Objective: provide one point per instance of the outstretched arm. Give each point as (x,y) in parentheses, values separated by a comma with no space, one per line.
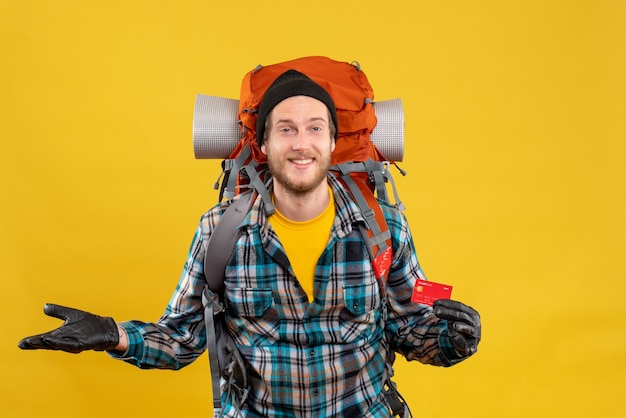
(174,341)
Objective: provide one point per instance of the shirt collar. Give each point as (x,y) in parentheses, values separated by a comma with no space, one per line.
(347,210)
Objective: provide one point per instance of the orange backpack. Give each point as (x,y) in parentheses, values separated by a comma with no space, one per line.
(357,161)
(346,84)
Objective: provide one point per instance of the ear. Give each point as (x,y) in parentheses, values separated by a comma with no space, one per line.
(263,148)
(332,144)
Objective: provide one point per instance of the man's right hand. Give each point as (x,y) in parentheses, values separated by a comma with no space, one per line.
(81,331)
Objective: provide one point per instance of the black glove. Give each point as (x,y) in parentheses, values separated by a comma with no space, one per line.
(81,331)
(463,324)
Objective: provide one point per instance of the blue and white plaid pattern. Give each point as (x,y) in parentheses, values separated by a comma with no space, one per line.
(326,358)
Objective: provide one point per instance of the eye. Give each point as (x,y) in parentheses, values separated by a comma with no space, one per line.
(319,129)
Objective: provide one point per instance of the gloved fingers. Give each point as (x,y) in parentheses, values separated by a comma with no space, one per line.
(454,316)
(58,311)
(469,347)
(452,310)
(48,340)
(466,344)
(81,331)
(63,343)
(454,305)
(468,331)
(34,342)
(56,339)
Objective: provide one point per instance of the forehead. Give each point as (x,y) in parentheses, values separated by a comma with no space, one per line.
(301,106)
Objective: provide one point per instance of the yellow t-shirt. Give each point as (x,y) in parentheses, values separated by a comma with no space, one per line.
(304,242)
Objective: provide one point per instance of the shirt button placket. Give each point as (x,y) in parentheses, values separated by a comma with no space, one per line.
(315,391)
(306,325)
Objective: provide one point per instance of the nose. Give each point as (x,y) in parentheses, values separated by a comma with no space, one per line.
(300,141)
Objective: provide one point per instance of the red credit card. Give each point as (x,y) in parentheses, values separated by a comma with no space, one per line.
(426,292)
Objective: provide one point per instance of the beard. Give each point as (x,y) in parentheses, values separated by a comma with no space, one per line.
(292,182)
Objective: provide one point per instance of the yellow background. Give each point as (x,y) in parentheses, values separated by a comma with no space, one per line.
(515,127)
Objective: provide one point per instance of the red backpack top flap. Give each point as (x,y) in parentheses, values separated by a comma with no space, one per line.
(346,84)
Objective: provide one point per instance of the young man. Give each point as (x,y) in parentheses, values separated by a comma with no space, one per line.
(303,303)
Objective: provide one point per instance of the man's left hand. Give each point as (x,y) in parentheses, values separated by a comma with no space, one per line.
(463,324)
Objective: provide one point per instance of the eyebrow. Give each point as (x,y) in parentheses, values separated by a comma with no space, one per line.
(313,119)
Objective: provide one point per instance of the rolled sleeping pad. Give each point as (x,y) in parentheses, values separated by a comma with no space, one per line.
(216,130)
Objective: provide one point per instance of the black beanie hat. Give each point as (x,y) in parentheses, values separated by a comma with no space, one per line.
(288,84)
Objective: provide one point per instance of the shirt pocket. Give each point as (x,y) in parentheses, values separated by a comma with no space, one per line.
(251,302)
(255,315)
(361,301)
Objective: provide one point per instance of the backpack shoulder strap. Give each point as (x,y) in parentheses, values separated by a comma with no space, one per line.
(219,249)
(222,242)
(375,232)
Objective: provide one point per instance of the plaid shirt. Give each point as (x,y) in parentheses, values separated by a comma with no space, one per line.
(320,359)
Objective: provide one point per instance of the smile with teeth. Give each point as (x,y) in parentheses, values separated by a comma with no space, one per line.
(303,161)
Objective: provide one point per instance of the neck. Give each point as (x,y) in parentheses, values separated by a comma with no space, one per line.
(301,207)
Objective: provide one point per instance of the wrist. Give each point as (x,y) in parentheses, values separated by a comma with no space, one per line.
(122,345)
